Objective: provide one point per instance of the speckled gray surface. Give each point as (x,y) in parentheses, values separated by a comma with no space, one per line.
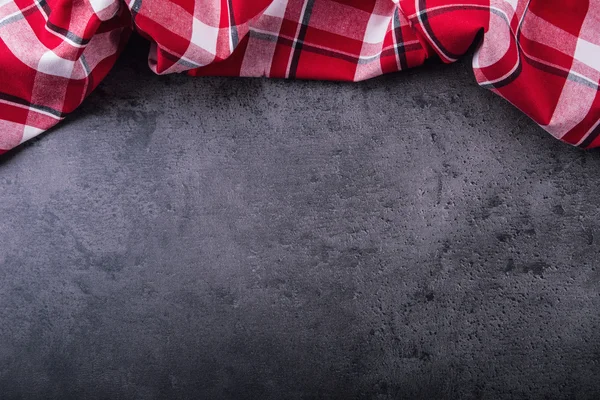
(408,237)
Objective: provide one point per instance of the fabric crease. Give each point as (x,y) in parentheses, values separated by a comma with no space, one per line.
(542,56)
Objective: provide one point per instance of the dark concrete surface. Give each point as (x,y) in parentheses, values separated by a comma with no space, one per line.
(408,237)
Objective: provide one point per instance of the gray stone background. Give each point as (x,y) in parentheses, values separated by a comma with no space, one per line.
(408,237)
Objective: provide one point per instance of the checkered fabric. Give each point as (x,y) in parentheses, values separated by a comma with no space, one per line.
(541,55)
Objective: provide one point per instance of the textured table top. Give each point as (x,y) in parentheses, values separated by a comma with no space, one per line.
(411,236)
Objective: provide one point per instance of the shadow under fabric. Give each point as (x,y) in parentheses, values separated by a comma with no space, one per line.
(543,56)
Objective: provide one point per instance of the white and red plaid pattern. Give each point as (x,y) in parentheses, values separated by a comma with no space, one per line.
(541,55)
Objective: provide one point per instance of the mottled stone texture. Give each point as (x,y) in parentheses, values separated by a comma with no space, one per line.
(408,237)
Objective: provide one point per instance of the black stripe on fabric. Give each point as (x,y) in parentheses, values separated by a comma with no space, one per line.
(405,48)
(17,100)
(12,19)
(297,49)
(86,67)
(135,8)
(515,74)
(233,27)
(61,31)
(327,52)
(591,137)
(560,72)
(177,59)
(88,74)
(400,50)
(582,81)
(509,79)
(45,7)
(427,26)
(69,35)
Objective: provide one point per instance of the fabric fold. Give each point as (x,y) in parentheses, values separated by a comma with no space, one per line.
(52,55)
(186,35)
(543,56)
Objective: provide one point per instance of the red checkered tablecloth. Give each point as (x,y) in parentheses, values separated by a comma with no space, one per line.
(541,55)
